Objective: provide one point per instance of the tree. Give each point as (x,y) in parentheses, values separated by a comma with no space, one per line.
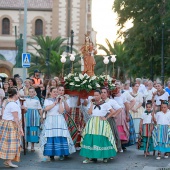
(118,49)
(52,47)
(143,40)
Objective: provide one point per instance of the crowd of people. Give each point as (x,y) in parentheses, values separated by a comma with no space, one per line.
(101,125)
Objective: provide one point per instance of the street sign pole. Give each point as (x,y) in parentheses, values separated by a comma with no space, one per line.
(25,36)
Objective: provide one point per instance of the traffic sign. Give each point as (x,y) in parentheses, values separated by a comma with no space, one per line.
(26,59)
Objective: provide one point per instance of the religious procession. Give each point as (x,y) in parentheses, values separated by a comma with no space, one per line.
(68,101)
(101,123)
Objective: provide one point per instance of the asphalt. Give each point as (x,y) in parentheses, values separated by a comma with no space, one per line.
(131,159)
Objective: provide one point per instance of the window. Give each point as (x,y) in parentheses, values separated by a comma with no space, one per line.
(5,26)
(38,27)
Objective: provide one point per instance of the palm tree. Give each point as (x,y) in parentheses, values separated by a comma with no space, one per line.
(47,47)
(118,49)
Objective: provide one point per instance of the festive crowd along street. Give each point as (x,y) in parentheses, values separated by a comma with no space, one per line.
(100,125)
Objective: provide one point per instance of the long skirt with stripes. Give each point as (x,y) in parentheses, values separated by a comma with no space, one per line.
(77,117)
(9,140)
(145,142)
(98,140)
(132,134)
(55,137)
(160,135)
(32,125)
(122,127)
(72,127)
(113,126)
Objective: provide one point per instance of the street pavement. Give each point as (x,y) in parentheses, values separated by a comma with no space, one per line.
(132,159)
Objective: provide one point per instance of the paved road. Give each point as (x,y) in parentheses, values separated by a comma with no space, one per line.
(132,159)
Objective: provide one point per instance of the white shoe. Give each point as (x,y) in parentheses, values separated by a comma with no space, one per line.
(121,151)
(86,161)
(78,148)
(166,156)
(11,165)
(158,158)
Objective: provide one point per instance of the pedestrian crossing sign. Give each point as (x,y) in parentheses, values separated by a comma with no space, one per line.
(26,59)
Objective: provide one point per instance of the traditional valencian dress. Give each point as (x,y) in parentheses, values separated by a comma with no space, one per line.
(10,137)
(32,118)
(55,137)
(122,124)
(112,122)
(97,137)
(161,132)
(146,141)
(132,134)
(137,115)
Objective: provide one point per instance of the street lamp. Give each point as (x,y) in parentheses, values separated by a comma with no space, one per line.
(113,60)
(72,58)
(162,55)
(63,60)
(106,61)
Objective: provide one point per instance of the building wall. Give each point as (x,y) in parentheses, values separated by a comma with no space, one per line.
(56,22)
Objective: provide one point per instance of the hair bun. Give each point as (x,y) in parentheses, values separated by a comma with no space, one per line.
(149,101)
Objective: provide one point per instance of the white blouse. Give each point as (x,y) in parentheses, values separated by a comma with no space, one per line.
(120,100)
(9,108)
(147,119)
(113,104)
(162,97)
(54,110)
(127,96)
(104,109)
(163,118)
(32,103)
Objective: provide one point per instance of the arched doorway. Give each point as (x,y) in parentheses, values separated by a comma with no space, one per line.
(6,67)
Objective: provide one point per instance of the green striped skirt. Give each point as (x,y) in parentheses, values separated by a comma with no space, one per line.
(98,140)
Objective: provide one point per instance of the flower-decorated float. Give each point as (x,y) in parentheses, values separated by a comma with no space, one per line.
(80,86)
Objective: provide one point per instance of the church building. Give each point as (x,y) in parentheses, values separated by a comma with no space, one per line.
(44,17)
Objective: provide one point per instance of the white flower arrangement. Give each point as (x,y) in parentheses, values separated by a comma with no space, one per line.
(80,82)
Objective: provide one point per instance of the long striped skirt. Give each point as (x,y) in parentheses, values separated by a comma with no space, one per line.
(145,141)
(72,128)
(56,146)
(122,126)
(32,125)
(132,134)
(9,140)
(160,135)
(77,117)
(113,126)
(98,140)
(55,137)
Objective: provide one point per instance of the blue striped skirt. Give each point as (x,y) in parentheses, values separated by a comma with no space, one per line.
(32,117)
(56,146)
(161,138)
(32,125)
(32,134)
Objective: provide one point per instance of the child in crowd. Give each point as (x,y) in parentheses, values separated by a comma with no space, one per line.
(34,111)
(161,130)
(145,141)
